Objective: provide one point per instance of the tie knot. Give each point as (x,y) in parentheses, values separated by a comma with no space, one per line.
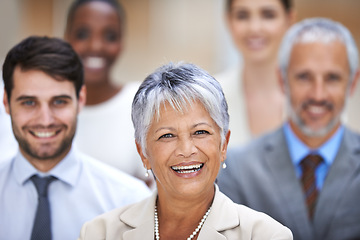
(311,161)
(41,184)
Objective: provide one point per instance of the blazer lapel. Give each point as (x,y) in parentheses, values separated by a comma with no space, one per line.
(209,233)
(223,216)
(142,232)
(141,219)
(338,180)
(287,189)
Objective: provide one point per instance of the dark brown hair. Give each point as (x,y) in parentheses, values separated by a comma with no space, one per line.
(287,4)
(52,56)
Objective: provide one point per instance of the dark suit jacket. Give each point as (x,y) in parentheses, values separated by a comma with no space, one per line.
(261,175)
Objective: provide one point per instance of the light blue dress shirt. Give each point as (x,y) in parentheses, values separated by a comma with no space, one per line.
(298,150)
(85,188)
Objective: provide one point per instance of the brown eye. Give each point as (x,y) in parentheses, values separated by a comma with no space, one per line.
(303,76)
(167,135)
(268,14)
(241,15)
(199,132)
(111,36)
(82,34)
(333,77)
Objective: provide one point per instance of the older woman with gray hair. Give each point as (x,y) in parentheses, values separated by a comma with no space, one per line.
(181,132)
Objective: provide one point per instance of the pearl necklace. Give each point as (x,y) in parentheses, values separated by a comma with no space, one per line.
(201,223)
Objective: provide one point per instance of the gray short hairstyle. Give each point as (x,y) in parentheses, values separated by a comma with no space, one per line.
(317,30)
(180,85)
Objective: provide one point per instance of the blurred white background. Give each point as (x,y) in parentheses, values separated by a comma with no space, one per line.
(159,31)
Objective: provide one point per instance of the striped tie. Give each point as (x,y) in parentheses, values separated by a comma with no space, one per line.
(309,165)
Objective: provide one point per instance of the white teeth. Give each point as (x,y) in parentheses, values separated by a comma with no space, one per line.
(316,110)
(188,168)
(44,134)
(188,171)
(94,62)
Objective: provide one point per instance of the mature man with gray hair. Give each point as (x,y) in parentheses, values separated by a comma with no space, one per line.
(307,173)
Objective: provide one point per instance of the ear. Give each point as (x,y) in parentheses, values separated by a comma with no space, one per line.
(6,102)
(354,83)
(281,81)
(144,159)
(82,98)
(224,146)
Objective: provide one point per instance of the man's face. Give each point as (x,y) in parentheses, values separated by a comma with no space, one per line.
(43,113)
(318,84)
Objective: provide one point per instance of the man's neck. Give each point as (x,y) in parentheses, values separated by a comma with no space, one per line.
(313,142)
(44,165)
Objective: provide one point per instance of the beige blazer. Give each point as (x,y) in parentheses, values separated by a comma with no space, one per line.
(226,220)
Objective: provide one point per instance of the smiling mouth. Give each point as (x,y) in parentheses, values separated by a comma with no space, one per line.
(188,168)
(44,134)
(256,43)
(316,110)
(94,62)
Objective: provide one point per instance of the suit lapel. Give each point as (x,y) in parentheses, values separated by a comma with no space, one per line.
(338,180)
(287,189)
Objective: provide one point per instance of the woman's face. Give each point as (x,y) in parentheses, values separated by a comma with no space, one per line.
(184,151)
(95,34)
(257,27)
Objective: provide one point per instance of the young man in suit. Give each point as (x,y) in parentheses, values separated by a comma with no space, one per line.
(307,173)
(49,189)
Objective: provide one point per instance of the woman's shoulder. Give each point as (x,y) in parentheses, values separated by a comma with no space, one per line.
(110,224)
(102,226)
(261,225)
(250,224)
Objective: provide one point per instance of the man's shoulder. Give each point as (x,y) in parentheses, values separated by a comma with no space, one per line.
(259,145)
(351,135)
(5,167)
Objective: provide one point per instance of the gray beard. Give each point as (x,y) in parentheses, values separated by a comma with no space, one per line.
(305,129)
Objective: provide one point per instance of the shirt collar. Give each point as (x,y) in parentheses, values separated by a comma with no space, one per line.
(67,170)
(298,150)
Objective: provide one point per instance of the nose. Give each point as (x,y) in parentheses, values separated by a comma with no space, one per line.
(95,44)
(45,115)
(319,89)
(185,148)
(255,24)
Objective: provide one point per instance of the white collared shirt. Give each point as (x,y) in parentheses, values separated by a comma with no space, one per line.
(85,188)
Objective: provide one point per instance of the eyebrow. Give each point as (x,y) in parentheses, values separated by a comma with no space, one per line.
(201,123)
(193,126)
(26,97)
(22,98)
(242,7)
